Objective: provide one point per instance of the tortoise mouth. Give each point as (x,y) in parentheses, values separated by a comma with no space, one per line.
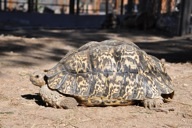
(45,79)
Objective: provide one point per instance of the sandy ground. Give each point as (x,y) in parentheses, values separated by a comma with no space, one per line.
(22,52)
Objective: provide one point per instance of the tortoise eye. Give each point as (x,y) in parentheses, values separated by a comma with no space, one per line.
(37,76)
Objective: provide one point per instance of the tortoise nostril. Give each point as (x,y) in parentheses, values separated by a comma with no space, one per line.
(37,76)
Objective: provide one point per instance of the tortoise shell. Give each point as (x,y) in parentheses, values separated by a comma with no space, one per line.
(110,72)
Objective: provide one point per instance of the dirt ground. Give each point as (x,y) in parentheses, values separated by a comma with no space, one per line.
(22,52)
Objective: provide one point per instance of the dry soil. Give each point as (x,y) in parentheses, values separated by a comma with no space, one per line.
(24,51)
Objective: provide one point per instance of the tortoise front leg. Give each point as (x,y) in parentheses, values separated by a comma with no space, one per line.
(55,99)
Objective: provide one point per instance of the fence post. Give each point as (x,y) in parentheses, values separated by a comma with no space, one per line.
(78,9)
(168,6)
(30,5)
(185,15)
(106,7)
(0,5)
(36,5)
(5,5)
(122,3)
(159,6)
(130,6)
(72,7)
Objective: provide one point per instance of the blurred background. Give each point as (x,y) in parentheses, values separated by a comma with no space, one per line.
(172,17)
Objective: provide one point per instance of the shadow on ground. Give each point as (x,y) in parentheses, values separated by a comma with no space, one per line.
(35,97)
(176,50)
(173,50)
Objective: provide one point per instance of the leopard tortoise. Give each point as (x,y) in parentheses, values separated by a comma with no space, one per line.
(105,73)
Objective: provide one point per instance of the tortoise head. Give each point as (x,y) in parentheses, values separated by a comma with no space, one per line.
(38,78)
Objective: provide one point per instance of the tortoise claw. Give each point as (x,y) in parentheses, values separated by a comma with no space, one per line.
(153,103)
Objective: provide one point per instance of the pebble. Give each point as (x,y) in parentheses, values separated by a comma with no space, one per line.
(185,85)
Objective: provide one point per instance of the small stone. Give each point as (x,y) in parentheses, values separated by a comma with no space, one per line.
(185,85)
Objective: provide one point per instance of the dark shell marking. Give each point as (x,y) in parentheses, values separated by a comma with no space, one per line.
(109,73)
